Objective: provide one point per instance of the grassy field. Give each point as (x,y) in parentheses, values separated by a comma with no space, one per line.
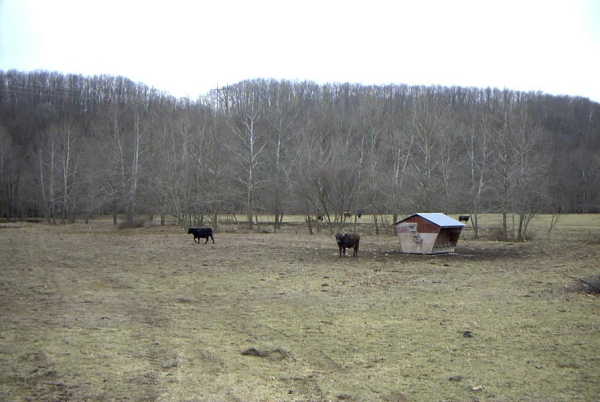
(90,312)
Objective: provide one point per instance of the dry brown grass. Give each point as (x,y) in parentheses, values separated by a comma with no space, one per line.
(90,312)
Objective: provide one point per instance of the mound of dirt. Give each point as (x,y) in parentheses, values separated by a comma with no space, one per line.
(591,285)
(273,354)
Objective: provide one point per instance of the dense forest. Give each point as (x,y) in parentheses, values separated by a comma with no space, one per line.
(72,147)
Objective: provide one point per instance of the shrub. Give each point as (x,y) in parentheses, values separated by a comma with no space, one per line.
(495,234)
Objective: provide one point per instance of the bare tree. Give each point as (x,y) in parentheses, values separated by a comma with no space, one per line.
(282,117)
(519,168)
(10,175)
(428,122)
(249,156)
(478,153)
(47,168)
(245,111)
(399,145)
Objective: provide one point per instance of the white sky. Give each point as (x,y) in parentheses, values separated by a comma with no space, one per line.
(189,47)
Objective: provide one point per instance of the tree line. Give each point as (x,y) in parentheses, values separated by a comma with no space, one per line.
(75,147)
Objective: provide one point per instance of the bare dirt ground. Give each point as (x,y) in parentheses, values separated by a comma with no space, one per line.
(90,312)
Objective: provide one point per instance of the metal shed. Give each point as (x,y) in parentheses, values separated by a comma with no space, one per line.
(428,233)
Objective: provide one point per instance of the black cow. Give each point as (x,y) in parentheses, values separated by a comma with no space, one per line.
(463,218)
(204,233)
(348,240)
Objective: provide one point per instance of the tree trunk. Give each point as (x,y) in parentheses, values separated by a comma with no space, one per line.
(553,222)
(132,195)
(51,192)
(215,221)
(43,189)
(309,224)
(475,225)
(376,224)
(66,159)
(520,228)
(115,211)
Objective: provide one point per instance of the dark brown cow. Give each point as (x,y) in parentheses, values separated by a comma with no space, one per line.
(348,240)
(201,233)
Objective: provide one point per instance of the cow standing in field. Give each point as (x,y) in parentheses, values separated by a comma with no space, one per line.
(202,233)
(348,240)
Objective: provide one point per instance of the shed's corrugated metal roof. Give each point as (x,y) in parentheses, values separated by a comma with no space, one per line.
(437,218)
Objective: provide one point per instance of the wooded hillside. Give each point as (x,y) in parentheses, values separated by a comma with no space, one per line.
(74,146)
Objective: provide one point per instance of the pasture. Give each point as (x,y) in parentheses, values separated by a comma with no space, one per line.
(91,312)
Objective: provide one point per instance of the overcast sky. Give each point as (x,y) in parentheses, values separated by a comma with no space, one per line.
(189,47)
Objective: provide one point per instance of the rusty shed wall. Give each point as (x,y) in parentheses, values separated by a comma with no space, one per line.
(423,225)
